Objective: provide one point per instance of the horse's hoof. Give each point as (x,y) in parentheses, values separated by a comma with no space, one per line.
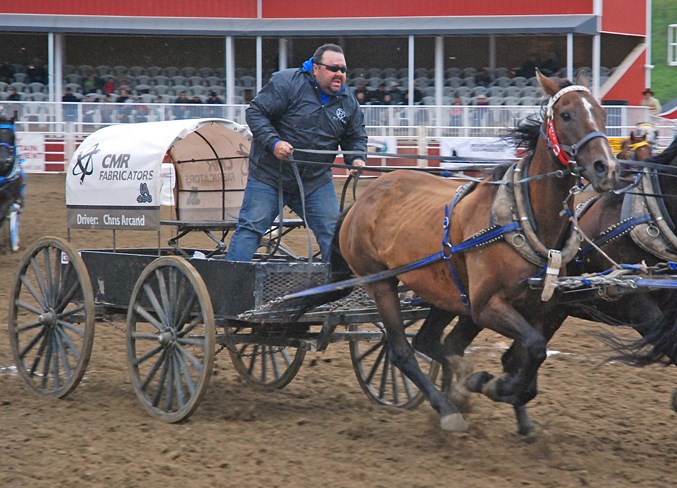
(453,422)
(460,397)
(476,381)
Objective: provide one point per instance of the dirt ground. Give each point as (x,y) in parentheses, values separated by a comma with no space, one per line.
(599,424)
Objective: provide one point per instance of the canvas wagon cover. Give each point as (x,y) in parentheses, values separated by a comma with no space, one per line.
(114,178)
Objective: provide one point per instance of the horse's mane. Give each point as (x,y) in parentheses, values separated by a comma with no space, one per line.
(525,135)
(667,157)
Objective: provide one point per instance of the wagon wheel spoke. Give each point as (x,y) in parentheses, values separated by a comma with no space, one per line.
(378,377)
(263,365)
(170,338)
(51,318)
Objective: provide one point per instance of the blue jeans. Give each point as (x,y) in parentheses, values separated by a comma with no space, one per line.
(260,208)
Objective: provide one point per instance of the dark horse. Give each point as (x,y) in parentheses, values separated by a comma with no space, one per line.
(630,228)
(11,180)
(400,219)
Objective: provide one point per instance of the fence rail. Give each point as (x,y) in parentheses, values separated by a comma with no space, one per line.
(418,128)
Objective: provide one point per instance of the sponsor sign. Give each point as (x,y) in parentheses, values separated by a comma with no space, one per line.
(31,148)
(475,148)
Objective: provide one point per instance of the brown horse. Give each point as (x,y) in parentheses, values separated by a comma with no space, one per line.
(399,220)
(636,148)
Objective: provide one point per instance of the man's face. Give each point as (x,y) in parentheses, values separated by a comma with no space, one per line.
(330,82)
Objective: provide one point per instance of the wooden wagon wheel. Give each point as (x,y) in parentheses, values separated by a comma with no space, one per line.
(170,338)
(51,318)
(380,380)
(263,365)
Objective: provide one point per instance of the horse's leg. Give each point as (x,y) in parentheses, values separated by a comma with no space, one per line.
(428,340)
(455,344)
(516,386)
(403,355)
(511,365)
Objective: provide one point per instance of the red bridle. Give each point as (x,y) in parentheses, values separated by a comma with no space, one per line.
(564,153)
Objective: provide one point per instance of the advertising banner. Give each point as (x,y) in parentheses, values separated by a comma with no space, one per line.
(32,149)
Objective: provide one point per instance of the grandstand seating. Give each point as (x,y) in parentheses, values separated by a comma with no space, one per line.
(504,87)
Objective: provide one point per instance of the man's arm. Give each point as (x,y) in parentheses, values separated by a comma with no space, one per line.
(267,107)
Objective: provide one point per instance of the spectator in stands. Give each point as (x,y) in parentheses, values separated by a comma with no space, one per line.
(651,102)
(291,111)
(248,95)
(106,111)
(91,84)
(484,77)
(70,110)
(6,72)
(13,95)
(123,96)
(213,99)
(551,64)
(456,114)
(480,114)
(396,95)
(180,112)
(36,72)
(123,110)
(380,96)
(361,93)
(89,109)
(140,110)
(528,69)
(108,86)
(196,111)
(418,96)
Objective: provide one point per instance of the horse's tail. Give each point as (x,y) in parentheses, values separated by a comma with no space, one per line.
(658,344)
(339,271)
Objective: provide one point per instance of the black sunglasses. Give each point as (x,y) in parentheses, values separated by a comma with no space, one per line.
(333,69)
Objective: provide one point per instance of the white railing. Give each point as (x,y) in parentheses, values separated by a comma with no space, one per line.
(418,127)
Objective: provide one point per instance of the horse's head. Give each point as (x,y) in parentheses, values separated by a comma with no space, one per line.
(576,134)
(638,147)
(7,145)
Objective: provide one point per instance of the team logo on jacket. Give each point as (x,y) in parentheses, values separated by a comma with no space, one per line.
(341,114)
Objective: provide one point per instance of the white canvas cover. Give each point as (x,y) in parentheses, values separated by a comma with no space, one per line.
(114,177)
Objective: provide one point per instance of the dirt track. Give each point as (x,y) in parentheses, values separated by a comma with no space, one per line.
(599,425)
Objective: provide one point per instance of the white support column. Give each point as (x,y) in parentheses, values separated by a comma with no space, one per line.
(570,56)
(439,78)
(282,53)
(56,53)
(410,83)
(230,70)
(596,60)
(647,41)
(259,63)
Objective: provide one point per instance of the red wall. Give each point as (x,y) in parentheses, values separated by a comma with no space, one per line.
(298,9)
(631,85)
(421,8)
(135,8)
(624,16)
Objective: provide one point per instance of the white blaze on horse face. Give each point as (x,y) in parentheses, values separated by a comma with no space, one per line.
(589,108)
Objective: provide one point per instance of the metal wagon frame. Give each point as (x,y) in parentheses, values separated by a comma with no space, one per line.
(181,305)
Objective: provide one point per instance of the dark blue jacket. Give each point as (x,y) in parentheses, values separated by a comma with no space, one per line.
(290,108)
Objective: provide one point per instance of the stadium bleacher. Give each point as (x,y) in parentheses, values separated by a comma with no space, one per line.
(468,82)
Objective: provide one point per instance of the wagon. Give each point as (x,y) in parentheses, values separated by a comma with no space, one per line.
(181,304)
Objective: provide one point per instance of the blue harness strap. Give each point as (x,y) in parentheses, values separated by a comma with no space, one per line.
(614,232)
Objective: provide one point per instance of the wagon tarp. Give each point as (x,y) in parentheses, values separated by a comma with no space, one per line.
(115,178)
